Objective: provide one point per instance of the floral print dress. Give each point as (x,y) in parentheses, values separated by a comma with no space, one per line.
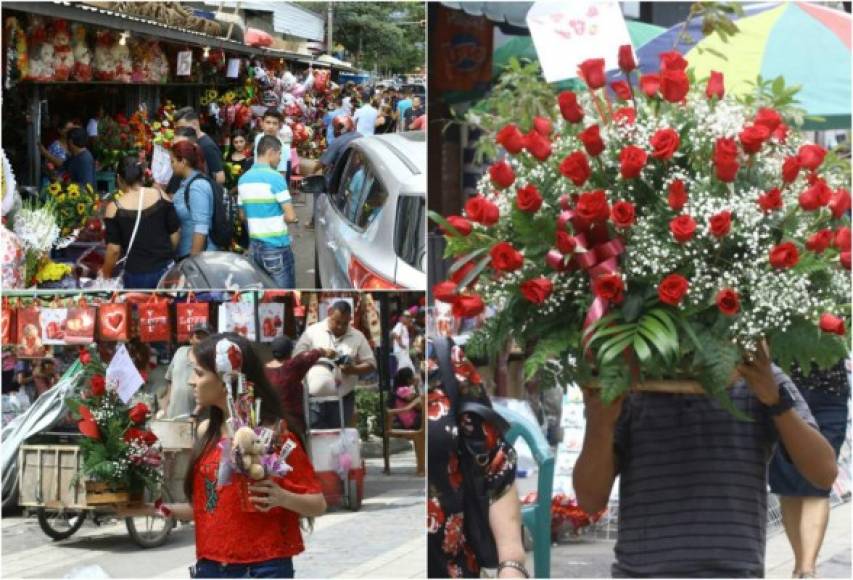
(449,554)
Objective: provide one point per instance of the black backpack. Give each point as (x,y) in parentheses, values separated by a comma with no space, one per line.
(478,531)
(224,212)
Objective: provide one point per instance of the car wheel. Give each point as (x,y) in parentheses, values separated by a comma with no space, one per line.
(317,282)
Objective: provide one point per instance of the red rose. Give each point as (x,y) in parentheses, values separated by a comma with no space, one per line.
(784,256)
(842,239)
(677,195)
(592,72)
(528,199)
(811,156)
(85,356)
(626,58)
(510,138)
(728,301)
(790,169)
(537,290)
(569,107)
(459,275)
(591,139)
(565,242)
(89,429)
(674,85)
(840,203)
(505,258)
(664,143)
(720,224)
(538,145)
(132,434)
(682,228)
(593,207)
(460,224)
(138,413)
(99,385)
(725,159)
(468,306)
(768,118)
(820,241)
(502,174)
(482,211)
(672,289)
(622,214)
(543,126)
(609,287)
(781,133)
(715,86)
(816,196)
(621,89)
(772,200)
(445,292)
(632,159)
(626,113)
(576,167)
(832,324)
(672,60)
(650,84)
(844,258)
(753,137)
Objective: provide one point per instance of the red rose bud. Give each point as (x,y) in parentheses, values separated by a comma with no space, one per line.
(820,241)
(591,139)
(632,159)
(459,275)
(784,256)
(677,197)
(537,290)
(538,145)
(85,356)
(505,258)
(99,385)
(674,85)
(502,174)
(556,260)
(622,214)
(593,207)
(511,139)
(728,301)
(621,89)
(672,60)
(569,108)
(770,201)
(790,169)
(628,114)
(672,289)
(811,156)
(720,224)
(842,239)
(609,287)
(840,203)
(592,72)
(753,137)
(445,292)
(650,84)
(781,133)
(768,118)
(715,87)
(565,242)
(563,220)
(664,143)
(482,211)
(682,228)
(460,224)
(468,306)
(626,58)
(138,413)
(725,159)
(816,196)
(528,199)
(543,126)
(576,167)
(89,429)
(832,324)
(844,258)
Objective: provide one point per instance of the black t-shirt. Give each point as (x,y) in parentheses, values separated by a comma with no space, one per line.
(174,184)
(152,248)
(81,167)
(212,155)
(410,115)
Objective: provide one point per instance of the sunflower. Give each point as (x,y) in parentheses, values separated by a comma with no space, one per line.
(74,188)
(73,194)
(61,198)
(81,208)
(90,189)
(55,188)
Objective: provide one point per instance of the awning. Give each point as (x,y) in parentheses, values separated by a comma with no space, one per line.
(288,17)
(512,14)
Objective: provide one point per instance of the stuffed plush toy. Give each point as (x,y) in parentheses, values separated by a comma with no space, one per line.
(63,55)
(124,64)
(41,51)
(82,54)
(251,451)
(105,64)
(158,68)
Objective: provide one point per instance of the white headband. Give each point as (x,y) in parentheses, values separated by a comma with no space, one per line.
(229,359)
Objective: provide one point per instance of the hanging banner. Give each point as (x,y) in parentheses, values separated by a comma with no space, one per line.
(465,45)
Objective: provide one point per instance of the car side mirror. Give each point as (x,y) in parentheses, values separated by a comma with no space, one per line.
(313,184)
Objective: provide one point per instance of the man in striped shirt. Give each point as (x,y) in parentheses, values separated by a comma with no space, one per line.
(265,205)
(693,478)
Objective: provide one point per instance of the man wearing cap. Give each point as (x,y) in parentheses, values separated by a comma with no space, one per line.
(336,333)
(179,399)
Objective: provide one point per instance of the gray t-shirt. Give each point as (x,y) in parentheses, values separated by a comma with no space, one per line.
(693,484)
(181,398)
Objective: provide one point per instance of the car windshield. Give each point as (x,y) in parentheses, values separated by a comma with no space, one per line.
(409,241)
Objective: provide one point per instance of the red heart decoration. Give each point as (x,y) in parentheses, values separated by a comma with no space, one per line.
(115,322)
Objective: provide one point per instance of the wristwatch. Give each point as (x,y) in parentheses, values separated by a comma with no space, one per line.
(784,403)
(515,565)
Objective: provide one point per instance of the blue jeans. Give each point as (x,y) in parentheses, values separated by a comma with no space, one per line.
(275,261)
(280,568)
(144,280)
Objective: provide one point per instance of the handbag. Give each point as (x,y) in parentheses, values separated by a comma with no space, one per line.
(473,461)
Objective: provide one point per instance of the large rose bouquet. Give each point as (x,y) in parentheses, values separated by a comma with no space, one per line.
(662,229)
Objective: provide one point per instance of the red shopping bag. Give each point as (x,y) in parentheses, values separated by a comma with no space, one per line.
(154,321)
(80,324)
(190,315)
(30,344)
(7,323)
(114,322)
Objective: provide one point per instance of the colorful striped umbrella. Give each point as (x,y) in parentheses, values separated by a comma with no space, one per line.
(807,44)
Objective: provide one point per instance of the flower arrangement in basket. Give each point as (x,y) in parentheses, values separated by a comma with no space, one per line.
(73,204)
(661,233)
(37,231)
(120,457)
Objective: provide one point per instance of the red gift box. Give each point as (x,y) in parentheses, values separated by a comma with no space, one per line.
(190,315)
(29,334)
(7,322)
(114,322)
(80,324)
(154,321)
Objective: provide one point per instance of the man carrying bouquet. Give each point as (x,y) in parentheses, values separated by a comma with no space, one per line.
(693,478)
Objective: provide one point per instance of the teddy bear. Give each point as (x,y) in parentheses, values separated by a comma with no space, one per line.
(63,55)
(82,54)
(251,450)
(41,62)
(159,65)
(104,65)
(124,64)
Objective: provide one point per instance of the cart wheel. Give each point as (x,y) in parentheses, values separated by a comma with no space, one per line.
(60,524)
(354,503)
(150,531)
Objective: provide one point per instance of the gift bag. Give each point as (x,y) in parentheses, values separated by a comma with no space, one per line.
(53,321)
(7,323)
(271,316)
(114,322)
(154,321)
(238,317)
(80,324)
(30,344)
(190,315)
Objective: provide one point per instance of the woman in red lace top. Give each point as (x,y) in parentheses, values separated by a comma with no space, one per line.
(232,542)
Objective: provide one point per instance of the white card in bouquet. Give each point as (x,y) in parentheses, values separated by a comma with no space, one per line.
(122,373)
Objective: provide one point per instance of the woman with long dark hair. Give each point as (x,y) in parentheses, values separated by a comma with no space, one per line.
(230,541)
(193,200)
